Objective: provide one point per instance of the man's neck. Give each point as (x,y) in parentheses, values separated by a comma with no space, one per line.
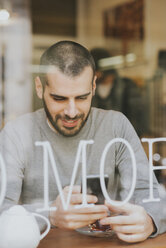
(50,126)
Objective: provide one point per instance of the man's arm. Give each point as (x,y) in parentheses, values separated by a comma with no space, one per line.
(147,211)
(11,149)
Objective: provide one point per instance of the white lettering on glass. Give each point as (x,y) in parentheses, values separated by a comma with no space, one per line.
(48,153)
(102,163)
(152,167)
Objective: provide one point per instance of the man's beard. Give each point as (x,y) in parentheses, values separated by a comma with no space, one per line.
(54,123)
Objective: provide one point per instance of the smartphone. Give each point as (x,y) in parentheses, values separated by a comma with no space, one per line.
(94,187)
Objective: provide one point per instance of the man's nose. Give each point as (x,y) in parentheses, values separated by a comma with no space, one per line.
(71,109)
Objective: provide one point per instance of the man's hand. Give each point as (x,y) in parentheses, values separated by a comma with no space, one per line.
(132,224)
(75,218)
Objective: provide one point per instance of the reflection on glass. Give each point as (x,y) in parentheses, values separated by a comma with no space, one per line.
(15,57)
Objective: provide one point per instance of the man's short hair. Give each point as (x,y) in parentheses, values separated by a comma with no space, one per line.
(69,57)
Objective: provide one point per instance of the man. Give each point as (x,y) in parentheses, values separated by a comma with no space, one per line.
(67,89)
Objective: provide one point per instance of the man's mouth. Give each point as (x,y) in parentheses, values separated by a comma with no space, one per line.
(70,123)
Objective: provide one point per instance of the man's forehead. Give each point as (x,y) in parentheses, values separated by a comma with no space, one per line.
(62,85)
(53,70)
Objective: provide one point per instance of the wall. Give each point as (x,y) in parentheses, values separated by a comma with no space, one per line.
(155,31)
(91,33)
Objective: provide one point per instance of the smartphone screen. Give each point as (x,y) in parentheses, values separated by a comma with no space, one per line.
(94,188)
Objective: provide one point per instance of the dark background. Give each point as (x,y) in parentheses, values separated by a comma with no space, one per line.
(55,17)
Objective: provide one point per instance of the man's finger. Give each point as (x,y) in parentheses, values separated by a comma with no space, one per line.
(125,208)
(132,238)
(88,210)
(76,224)
(76,189)
(120,220)
(128,229)
(84,217)
(78,198)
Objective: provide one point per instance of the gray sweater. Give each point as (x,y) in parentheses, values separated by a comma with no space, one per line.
(24,160)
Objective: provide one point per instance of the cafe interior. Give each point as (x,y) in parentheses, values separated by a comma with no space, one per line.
(130,36)
(132,33)
(128,41)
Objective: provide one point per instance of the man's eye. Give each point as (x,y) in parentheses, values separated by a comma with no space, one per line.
(58,99)
(82,98)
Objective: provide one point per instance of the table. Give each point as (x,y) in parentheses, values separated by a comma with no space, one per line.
(58,238)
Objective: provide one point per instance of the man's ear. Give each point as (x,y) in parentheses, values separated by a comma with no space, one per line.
(39,87)
(94,85)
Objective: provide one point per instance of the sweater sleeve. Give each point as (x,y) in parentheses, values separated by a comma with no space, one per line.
(12,151)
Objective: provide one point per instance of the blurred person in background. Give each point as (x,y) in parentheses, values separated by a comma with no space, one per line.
(118,93)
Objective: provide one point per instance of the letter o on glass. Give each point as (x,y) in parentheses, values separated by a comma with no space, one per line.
(102,163)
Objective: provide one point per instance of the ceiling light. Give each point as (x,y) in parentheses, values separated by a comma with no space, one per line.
(131,57)
(4,15)
(111,61)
